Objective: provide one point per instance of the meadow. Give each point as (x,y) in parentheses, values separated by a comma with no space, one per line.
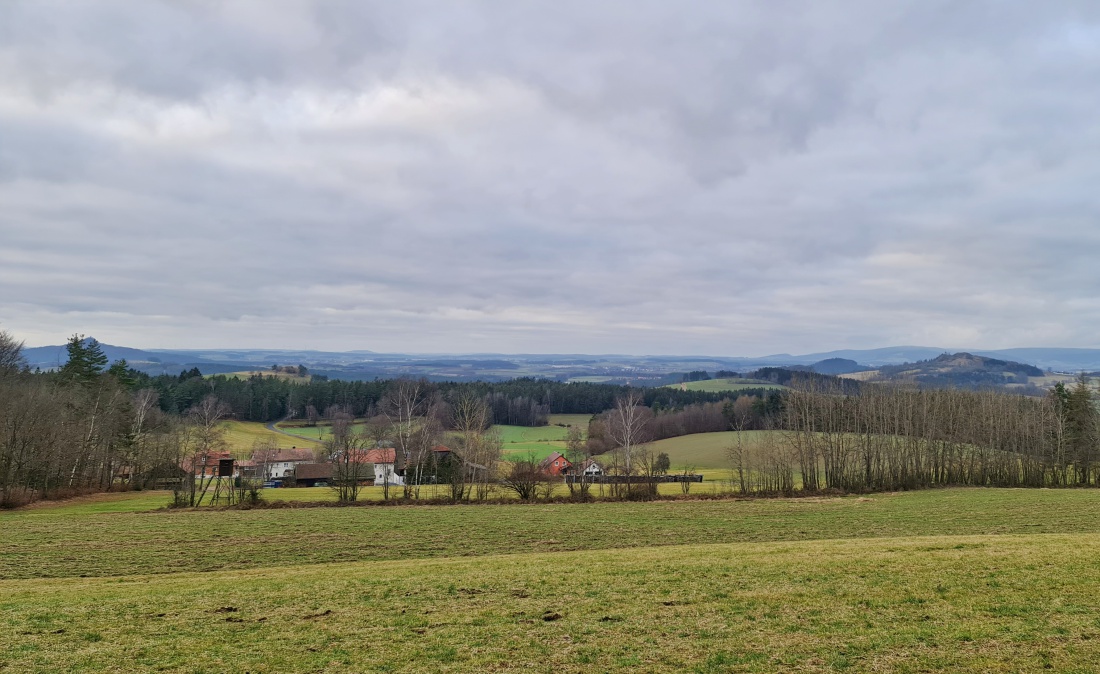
(242,437)
(940,580)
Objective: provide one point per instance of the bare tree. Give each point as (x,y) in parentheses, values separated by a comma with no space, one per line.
(628,426)
(524,478)
(411,407)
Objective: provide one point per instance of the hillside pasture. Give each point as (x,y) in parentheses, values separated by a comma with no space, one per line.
(242,436)
(319,433)
(939,580)
(707,450)
(538,442)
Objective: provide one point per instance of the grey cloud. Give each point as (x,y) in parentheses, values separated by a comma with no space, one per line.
(734,178)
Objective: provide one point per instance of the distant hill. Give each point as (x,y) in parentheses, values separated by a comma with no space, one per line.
(151,362)
(835,366)
(961,370)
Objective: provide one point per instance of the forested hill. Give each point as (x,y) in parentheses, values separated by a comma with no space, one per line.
(961,370)
(518,401)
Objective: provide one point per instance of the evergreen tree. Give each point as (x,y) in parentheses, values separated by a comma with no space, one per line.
(86,361)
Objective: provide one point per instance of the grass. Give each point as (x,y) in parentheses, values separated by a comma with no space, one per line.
(705,450)
(319,433)
(243,435)
(945,580)
(538,442)
(39,544)
(720,385)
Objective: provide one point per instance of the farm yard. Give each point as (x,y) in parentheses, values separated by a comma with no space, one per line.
(949,579)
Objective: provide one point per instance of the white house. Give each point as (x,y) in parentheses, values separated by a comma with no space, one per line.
(592,468)
(383,460)
(282,462)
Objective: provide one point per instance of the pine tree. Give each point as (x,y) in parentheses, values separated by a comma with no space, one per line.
(86,361)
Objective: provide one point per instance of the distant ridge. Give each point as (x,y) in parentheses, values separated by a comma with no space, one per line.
(645,370)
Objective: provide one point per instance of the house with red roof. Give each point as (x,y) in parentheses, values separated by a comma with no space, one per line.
(555,464)
(383,460)
(279,463)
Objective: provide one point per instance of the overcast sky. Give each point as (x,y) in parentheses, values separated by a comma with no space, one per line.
(724,178)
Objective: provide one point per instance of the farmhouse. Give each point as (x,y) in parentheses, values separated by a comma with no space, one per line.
(206,465)
(555,464)
(590,468)
(281,462)
(383,460)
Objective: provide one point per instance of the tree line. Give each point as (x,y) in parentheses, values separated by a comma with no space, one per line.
(901,437)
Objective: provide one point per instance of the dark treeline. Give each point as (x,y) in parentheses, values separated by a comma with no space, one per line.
(521,402)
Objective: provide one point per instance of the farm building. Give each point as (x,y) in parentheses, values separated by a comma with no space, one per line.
(280,462)
(555,464)
(207,465)
(589,468)
(383,460)
(313,474)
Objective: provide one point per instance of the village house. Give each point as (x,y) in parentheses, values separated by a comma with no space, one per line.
(590,468)
(207,465)
(383,460)
(280,463)
(555,464)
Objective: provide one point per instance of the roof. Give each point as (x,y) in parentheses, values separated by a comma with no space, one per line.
(313,471)
(386,455)
(554,456)
(441,449)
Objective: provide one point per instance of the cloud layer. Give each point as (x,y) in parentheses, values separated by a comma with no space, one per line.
(633,177)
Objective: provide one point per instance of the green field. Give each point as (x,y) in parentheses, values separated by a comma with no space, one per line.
(943,580)
(706,450)
(243,435)
(720,385)
(538,442)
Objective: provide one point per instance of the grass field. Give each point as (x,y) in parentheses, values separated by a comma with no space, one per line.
(945,580)
(706,450)
(538,442)
(316,434)
(719,385)
(243,435)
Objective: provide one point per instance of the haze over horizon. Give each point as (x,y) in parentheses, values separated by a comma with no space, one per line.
(617,177)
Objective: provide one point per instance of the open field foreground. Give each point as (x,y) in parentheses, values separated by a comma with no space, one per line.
(944,580)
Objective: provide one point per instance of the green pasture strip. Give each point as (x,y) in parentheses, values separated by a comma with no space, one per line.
(578,420)
(115,502)
(943,604)
(318,433)
(510,434)
(115,544)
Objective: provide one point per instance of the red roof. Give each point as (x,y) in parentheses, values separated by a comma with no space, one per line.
(441,449)
(554,457)
(387,455)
